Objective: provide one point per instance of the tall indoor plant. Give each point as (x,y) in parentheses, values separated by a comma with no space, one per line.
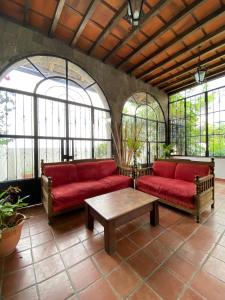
(11,221)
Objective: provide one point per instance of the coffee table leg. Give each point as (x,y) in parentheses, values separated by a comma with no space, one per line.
(89,218)
(110,237)
(154,214)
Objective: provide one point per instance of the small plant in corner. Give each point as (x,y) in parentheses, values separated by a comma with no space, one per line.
(167,150)
(11,221)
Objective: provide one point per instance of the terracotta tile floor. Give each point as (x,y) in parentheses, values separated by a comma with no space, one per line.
(178,259)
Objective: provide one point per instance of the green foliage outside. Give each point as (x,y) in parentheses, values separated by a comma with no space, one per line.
(101,150)
(6,106)
(196,126)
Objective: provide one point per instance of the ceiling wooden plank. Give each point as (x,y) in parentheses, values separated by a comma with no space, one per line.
(187,77)
(120,14)
(186,11)
(197,26)
(153,12)
(57,15)
(180,88)
(85,20)
(187,60)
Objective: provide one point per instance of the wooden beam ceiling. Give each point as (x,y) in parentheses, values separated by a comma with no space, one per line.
(190,72)
(211,48)
(178,38)
(214,75)
(121,13)
(57,15)
(153,12)
(84,22)
(168,25)
(160,56)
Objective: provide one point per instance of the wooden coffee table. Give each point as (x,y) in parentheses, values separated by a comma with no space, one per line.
(118,208)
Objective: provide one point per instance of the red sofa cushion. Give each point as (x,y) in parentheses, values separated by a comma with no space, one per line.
(117,182)
(88,171)
(69,195)
(164,169)
(107,168)
(61,173)
(188,172)
(173,190)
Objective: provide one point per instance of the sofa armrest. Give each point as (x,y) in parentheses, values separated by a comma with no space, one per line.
(143,171)
(126,171)
(204,183)
(46,195)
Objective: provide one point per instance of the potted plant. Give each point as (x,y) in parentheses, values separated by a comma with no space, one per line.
(11,221)
(167,150)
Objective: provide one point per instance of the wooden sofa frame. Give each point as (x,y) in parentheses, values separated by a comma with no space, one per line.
(46,186)
(205,187)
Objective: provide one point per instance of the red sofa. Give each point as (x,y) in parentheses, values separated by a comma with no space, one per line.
(67,185)
(188,185)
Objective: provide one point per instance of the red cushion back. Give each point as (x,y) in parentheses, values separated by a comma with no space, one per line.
(107,168)
(61,174)
(188,172)
(88,171)
(164,169)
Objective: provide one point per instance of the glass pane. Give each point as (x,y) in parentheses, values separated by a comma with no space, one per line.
(49,151)
(130,107)
(101,125)
(97,97)
(21,76)
(78,75)
(79,121)
(53,88)
(77,94)
(50,65)
(51,118)
(16,158)
(16,114)
(82,149)
(102,149)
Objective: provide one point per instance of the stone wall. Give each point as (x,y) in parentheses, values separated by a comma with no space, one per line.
(18,41)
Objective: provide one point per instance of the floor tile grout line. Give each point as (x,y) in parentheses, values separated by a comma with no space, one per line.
(203,263)
(130,233)
(36,287)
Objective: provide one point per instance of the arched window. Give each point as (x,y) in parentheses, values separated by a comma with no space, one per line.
(142,114)
(49,109)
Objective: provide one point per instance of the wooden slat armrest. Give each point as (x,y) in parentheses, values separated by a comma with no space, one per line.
(46,182)
(126,171)
(205,178)
(144,171)
(204,183)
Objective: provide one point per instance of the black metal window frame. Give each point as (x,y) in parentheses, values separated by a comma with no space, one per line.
(207,134)
(157,141)
(37,97)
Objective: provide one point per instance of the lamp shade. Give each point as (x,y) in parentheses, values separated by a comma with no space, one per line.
(134,11)
(200,75)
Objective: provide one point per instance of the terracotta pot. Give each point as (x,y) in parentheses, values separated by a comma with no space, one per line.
(11,236)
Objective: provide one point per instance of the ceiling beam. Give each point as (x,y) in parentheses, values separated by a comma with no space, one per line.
(212,76)
(153,12)
(186,11)
(85,20)
(186,60)
(26,12)
(119,15)
(219,63)
(178,38)
(57,15)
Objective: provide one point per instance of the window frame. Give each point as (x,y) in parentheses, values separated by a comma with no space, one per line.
(207,135)
(36,97)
